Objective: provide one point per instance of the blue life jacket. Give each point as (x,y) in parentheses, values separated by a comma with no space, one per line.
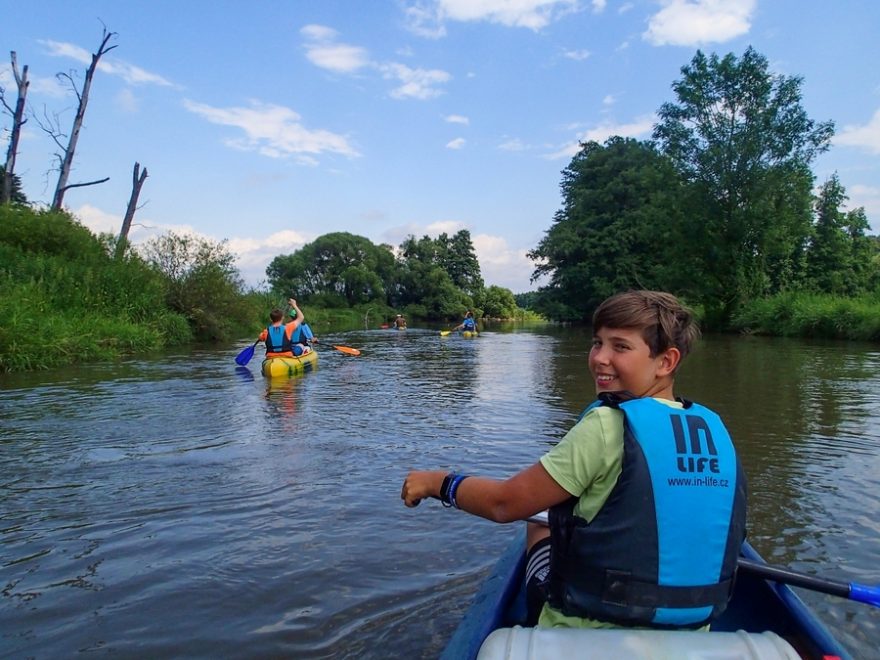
(276,340)
(302,334)
(662,551)
(469,324)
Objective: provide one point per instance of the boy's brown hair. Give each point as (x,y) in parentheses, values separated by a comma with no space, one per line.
(276,315)
(664,321)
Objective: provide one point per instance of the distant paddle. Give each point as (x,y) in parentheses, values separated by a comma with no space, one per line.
(443,333)
(348,350)
(245,356)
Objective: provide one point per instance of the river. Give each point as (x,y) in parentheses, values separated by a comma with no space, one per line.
(177,505)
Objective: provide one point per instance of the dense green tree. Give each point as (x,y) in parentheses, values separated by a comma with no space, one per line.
(339,269)
(459,259)
(499,302)
(17,196)
(616,229)
(202,282)
(740,137)
(839,254)
(425,282)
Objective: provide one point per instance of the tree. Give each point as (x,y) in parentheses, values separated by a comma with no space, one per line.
(499,302)
(616,229)
(740,137)
(201,280)
(459,259)
(340,269)
(14,183)
(18,120)
(839,254)
(66,160)
(137,182)
(425,282)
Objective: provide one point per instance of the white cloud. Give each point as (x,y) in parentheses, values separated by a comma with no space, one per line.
(513,144)
(503,265)
(133,75)
(609,99)
(638,128)
(318,32)
(866,137)
(429,19)
(126,100)
(531,14)
(323,51)
(869,198)
(599,6)
(457,143)
(416,83)
(274,131)
(697,22)
(252,255)
(457,119)
(576,55)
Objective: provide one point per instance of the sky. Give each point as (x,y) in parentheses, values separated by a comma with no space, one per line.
(269,124)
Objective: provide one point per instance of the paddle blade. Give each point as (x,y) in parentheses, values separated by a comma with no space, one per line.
(443,333)
(245,356)
(348,350)
(865,594)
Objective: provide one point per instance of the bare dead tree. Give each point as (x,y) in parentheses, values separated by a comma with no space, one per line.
(83,98)
(18,120)
(137,182)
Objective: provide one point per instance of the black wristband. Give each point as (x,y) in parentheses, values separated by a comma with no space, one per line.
(444,488)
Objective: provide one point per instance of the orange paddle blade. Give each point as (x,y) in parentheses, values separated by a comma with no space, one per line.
(348,350)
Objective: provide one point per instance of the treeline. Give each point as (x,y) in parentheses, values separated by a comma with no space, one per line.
(719,208)
(427,278)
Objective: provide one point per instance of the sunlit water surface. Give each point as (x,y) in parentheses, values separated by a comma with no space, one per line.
(182,506)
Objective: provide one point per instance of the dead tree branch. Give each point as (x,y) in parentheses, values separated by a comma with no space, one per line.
(18,120)
(83,97)
(137,182)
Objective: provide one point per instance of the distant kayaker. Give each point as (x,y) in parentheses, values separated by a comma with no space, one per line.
(468,324)
(399,322)
(278,337)
(646,494)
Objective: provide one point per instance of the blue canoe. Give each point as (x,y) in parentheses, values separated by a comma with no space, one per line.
(761,607)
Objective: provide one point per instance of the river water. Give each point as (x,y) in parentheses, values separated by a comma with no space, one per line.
(181,506)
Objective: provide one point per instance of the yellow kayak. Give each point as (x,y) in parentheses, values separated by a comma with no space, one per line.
(470,333)
(289,366)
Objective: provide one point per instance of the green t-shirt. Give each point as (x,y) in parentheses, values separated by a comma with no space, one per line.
(587,463)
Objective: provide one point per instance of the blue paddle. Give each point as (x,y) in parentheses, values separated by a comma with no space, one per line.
(858,592)
(245,356)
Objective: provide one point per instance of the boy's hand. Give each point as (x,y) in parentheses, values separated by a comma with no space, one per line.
(419,485)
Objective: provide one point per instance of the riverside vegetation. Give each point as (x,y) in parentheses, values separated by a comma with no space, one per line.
(720,207)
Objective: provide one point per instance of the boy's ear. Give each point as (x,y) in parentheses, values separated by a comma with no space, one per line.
(669,360)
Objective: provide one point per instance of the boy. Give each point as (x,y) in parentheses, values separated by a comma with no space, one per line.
(278,338)
(646,494)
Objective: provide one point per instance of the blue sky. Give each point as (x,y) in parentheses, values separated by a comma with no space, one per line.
(272,123)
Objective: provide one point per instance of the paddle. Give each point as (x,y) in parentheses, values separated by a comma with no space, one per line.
(858,592)
(348,350)
(245,356)
(443,333)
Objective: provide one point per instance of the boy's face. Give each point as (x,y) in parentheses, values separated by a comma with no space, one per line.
(620,359)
